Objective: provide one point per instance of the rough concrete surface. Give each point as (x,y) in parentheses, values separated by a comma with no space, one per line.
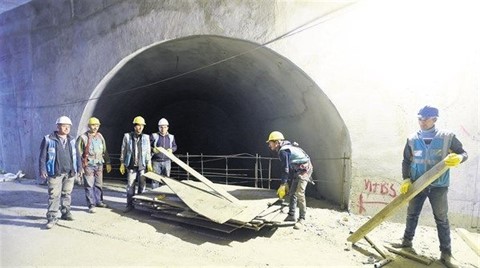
(111,238)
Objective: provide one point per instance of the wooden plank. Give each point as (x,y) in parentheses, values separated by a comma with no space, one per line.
(420,184)
(199,176)
(410,255)
(472,239)
(204,203)
(253,207)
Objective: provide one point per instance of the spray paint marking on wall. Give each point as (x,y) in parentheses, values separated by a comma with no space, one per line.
(371,191)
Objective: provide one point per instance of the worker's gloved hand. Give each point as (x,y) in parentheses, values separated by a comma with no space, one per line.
(406,184)
(170,150)
(149,167)
(453,160)
(156,150)
(109,168)
(122,169)
(282,190)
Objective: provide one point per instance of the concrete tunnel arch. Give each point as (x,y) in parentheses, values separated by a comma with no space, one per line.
(225,108)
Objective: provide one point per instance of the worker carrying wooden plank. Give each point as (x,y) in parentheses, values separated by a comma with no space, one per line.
(423,150)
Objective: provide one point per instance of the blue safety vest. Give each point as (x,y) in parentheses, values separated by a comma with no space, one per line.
(52,155)
(156,136)
(426,156)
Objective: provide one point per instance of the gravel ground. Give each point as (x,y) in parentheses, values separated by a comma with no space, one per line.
(112,238)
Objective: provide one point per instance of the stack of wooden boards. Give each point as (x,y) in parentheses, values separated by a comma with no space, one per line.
(203,203)
(194,203)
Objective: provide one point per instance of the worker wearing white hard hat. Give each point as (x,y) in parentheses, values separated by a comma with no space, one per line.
(58,166)
(161,163)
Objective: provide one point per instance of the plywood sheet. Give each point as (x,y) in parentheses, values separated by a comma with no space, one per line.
(204,203)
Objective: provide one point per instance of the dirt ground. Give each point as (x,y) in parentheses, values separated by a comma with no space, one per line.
(111,238)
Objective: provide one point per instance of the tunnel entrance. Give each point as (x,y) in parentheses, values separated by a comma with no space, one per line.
(225,108)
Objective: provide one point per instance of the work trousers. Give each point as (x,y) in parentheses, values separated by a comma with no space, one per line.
(59,194)
(161,168)
(93,181)
(300,180)
(439,202)
(133,176)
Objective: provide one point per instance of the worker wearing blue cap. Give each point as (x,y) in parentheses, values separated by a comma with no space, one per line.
(424,149)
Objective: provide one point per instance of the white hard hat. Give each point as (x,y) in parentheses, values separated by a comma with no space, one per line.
(64,120)
(163,122)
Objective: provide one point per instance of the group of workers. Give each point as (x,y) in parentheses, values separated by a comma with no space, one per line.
(64,158)
(423,150)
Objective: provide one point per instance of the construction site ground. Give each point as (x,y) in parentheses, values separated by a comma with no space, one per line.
(111,238)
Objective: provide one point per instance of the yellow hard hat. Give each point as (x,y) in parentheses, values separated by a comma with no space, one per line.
(93,121)
(139,121)
(275,136)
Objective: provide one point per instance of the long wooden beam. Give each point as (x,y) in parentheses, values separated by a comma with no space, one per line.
(420,184)
(199,176)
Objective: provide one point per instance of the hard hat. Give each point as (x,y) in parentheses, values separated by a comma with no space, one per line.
(275,136)
(93,121)
(163,122)
(64,120)
(428,111)
(139,121)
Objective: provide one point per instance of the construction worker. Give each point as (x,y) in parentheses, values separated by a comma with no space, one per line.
(296,167)
(92,148)
(423,150)
(135,157)
(58,165)
(161,163)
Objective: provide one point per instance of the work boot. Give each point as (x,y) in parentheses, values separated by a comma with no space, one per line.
(290,218)
(405,243)
(299,224)
(102,205)
(51,222)
(128,209)
(448,260)
(91,209)
(67,216)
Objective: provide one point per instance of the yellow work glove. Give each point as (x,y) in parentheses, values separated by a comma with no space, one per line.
(156,150)
(122,169)
(453,160)
(109,168)
(282,190)
(149,167)
(406,184)
(170,150)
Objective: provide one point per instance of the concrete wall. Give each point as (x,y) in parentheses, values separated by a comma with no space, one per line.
(376,62)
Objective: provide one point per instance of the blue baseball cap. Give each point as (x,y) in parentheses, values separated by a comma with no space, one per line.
(428,111)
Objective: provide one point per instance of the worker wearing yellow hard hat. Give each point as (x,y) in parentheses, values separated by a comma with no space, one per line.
(297,168)
(135,158)
(92,148)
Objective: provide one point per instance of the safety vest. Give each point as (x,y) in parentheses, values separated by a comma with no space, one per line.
(297,155)
(145,155)
(96,150)
(156,136)
(52,155)
(426,156)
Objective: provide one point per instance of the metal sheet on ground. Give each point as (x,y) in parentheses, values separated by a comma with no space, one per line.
(197,222)
(204,203)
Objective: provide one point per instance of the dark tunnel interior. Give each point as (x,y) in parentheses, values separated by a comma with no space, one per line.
(224,96)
